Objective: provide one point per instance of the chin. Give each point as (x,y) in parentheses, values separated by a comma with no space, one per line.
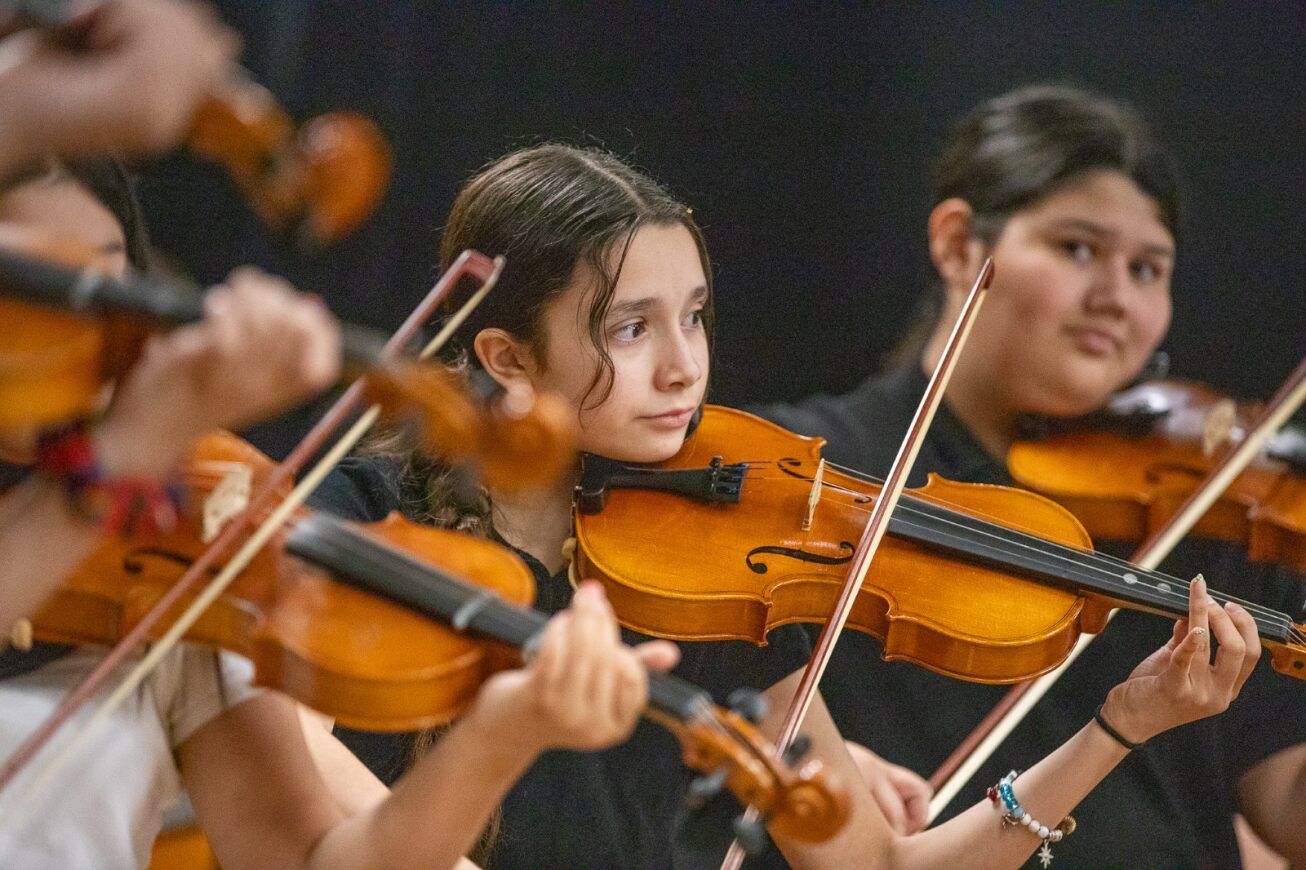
(644,449)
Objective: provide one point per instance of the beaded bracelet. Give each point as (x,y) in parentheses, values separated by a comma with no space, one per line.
(1004,796)
(127,505)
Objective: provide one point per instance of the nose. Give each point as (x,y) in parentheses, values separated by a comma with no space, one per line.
(679,366)
(1109,292)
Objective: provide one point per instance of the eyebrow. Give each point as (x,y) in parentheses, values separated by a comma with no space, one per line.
(636,306)
(1102,232)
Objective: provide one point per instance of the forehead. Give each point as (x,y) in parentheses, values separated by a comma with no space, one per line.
(65,208)
(661,263)
(1107,199)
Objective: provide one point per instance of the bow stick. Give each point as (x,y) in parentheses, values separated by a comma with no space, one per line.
(958,768)
(469,263)
(876,526)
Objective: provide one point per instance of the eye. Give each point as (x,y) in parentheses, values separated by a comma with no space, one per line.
(694,319)
(629,331)
(1145,272)
(1078,250)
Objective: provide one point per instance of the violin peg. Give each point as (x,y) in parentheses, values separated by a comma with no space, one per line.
(748,704)
(703,788)
(797,750)
(751,834)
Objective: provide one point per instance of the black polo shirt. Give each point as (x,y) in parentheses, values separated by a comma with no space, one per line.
(620,808)
(1168,805)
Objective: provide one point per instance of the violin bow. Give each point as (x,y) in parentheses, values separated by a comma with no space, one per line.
(468,264)
(873,534)
(958,768)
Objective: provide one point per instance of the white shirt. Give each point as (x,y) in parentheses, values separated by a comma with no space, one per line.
(104,809)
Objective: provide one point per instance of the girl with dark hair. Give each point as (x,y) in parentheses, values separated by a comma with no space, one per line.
(1077,203)
(606,301)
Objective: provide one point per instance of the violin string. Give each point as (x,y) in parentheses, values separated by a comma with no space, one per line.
(1086,559)
(1272,620)
(1091,560)
(1079,559)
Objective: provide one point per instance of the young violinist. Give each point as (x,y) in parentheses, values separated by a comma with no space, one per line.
(606,301)
(268,788)
(1077,203)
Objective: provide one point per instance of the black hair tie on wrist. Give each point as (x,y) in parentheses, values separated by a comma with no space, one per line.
(1113,733)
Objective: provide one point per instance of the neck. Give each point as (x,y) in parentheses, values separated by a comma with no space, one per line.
(537,521)
(976,400)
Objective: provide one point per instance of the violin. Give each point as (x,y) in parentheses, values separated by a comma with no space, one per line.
(314,184)
(1125,469)
(429,615)
(746,528)
(66,332)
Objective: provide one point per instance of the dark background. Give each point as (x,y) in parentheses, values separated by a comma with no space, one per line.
(802,136)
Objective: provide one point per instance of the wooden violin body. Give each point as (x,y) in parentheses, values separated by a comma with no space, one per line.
(1125,470)
(367,662)
(724,541)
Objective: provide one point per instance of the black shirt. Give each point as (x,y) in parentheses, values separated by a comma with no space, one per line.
(1169,804)
(620,808)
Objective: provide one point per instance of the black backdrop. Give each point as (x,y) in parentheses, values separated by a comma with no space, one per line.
(802,136)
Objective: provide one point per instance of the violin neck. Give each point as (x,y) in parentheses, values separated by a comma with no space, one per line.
(171,303)
(1085,572)
(358,560)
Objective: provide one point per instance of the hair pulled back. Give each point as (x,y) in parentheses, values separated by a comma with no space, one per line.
(1017,148)
(558,214)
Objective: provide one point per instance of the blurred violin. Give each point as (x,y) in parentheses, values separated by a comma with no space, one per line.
(379,654)
(315,183)
(1128,467)
(747,529)
(66,332)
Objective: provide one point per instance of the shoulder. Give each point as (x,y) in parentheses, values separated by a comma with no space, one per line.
(856,425)
(360,488)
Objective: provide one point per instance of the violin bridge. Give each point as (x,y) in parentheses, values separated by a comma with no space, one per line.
(228,499)
(20,636)
(1220,427)
(814,496)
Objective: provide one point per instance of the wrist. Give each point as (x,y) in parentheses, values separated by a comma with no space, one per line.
(504,738)
(1117,717)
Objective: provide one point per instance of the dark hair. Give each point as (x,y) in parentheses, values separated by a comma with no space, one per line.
(1017,148)
(557,214)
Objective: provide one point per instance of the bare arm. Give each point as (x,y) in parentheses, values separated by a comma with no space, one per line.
(1272,795)
(1173,686)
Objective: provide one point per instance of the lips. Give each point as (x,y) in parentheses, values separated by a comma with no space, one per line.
(1094,341)
(672,419)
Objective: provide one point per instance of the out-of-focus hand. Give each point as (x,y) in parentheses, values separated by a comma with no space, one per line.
(902,795)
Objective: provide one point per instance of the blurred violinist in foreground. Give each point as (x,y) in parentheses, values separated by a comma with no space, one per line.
(268,787)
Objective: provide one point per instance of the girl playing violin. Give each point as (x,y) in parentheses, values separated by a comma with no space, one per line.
(607,301)
(1077,203)
(268,789)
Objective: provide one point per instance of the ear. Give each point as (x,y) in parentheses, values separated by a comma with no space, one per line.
(505,358)
(956,251)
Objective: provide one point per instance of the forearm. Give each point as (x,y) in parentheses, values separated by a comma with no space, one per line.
(1272,796)
(1049,791)
(438,810)
(41,541)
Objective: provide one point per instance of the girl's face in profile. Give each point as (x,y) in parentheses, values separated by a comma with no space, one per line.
(656,338)
(1081,295)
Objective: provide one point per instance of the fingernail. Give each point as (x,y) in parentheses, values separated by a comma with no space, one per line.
(1199,585)
(1232,607)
